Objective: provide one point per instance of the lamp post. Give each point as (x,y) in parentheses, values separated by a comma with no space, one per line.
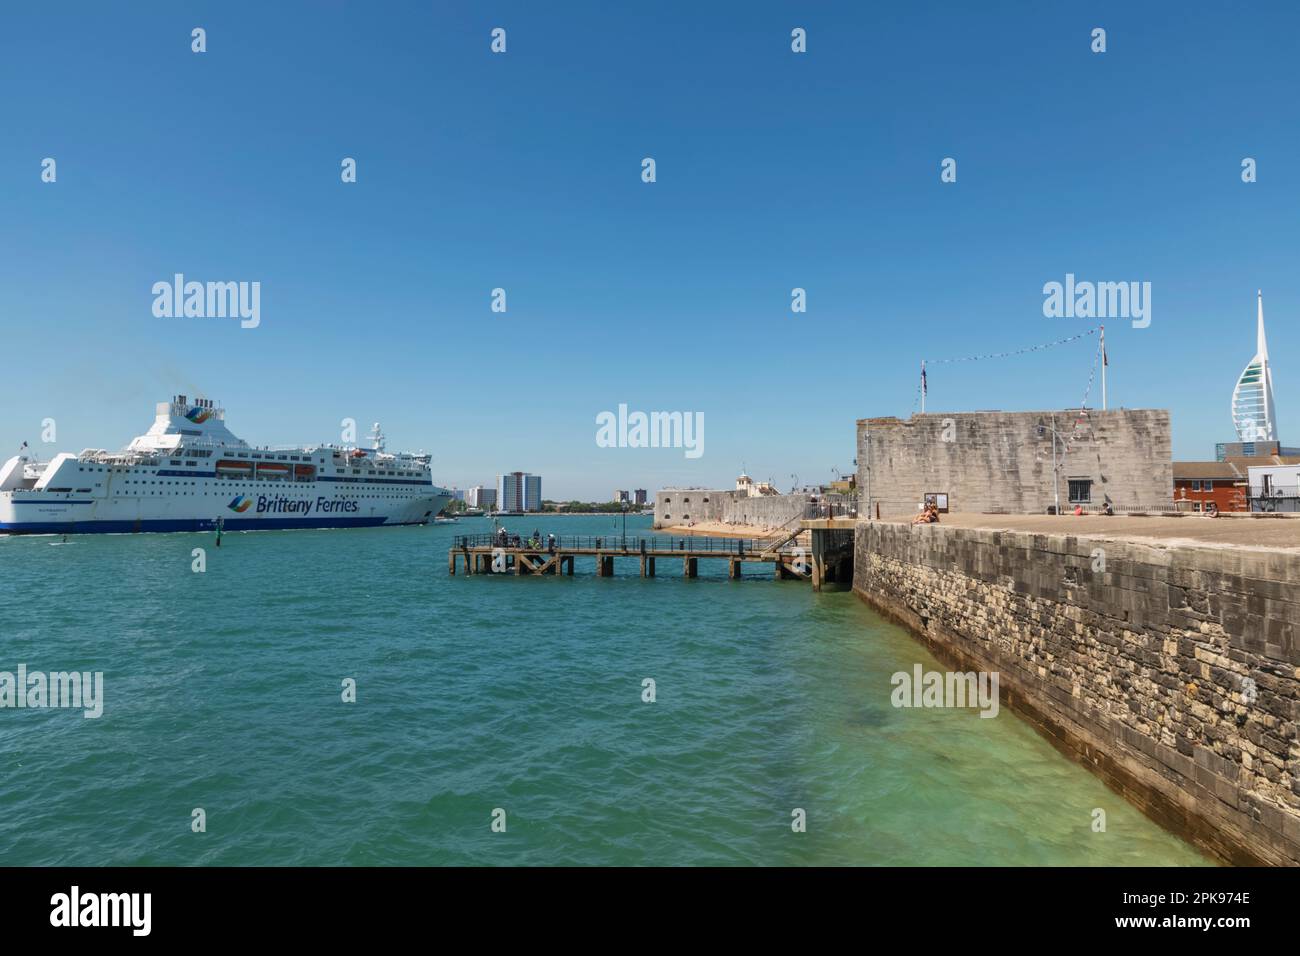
(1056,477)
(624,505)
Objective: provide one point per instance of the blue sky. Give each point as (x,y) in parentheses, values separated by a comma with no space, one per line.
(522,171)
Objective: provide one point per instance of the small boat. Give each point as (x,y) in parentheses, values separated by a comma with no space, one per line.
(441,520)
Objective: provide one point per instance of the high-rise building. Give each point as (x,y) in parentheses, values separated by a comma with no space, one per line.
(621,496)
(1253,414)
(480,497)
(640,496)
(519,491)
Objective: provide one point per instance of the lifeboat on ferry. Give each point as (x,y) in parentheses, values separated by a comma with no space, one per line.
(228,466)
(304,471)
(358,453)
(273,468)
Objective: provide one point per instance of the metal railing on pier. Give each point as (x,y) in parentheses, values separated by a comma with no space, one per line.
(631,544)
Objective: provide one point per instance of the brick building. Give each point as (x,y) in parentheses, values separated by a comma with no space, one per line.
(1198,483)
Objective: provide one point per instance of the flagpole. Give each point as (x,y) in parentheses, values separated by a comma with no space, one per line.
(1103,368)
(922,386)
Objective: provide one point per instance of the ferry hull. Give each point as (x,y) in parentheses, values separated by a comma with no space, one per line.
(87,517)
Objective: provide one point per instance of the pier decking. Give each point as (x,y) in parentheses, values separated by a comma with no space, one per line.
(509,554)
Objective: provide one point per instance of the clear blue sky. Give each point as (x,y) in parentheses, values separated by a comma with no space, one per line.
(522,171)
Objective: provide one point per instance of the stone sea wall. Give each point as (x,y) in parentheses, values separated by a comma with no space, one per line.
(683,506)
(1171,672)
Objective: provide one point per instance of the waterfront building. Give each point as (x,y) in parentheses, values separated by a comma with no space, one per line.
(519,491)
(639,496)
(1274,487)
(750,488)
(480,497)
(1198,484)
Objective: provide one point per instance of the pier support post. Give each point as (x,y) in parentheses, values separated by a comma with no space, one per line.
(690,567)
(451,562)
(734,568)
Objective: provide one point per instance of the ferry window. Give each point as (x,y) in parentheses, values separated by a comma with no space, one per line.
(174,461)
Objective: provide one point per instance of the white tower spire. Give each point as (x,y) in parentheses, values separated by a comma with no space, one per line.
(1261,345)
(1253,413)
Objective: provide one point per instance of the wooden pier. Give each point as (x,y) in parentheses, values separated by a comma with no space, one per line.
(509,554)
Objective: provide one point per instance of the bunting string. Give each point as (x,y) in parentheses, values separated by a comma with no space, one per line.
(1024,351)
(921,387)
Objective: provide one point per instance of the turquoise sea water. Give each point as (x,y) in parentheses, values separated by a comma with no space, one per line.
(222,691)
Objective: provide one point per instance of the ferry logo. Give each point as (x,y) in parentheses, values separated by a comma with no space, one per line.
(198,415)
(240,504)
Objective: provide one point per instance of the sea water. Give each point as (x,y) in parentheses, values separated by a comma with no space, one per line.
(499,720)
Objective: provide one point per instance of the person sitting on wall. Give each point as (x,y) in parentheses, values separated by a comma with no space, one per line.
(1078,510)
(929,515)
(1211,510)
(1106,509)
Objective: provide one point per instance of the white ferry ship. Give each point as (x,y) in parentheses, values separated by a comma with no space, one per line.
(189,473)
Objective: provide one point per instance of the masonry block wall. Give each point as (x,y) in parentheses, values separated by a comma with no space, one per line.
(681,506)
(1173,673)
(1002,461)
